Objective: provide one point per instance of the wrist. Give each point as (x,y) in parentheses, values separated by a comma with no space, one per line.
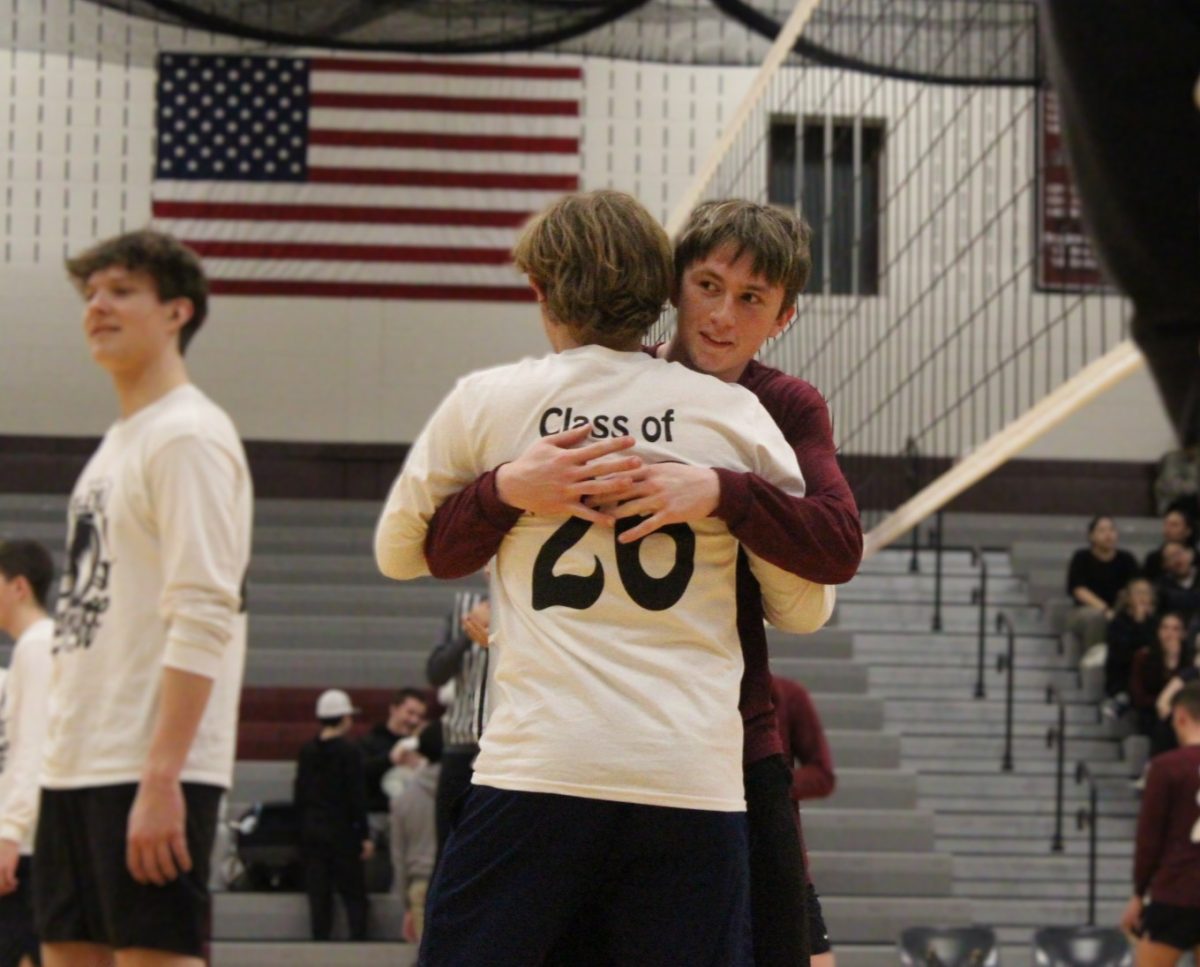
(160,775)
(504,486)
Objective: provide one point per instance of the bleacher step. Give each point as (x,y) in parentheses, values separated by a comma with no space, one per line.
(263,953)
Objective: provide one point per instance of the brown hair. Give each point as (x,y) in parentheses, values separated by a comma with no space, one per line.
(778,241)
(1188,698)
(603,262)
(173,267)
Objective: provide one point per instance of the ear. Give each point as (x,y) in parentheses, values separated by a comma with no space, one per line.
(180,313)
(783,321)
(539,290)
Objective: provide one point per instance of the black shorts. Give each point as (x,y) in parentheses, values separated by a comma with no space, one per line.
(17,937)
(1177,927)
(818,933)
(654,885)
(83,891)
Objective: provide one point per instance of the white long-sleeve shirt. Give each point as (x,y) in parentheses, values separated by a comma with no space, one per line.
(621,666)
(157,550)
(23,698)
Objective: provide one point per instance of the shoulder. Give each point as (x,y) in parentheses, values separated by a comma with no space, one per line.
(191,416)
(769,383)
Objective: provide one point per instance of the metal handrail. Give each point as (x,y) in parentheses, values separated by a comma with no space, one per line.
(1007,663)
(937,573)
(1089,818)
(977,557)
(1056,738)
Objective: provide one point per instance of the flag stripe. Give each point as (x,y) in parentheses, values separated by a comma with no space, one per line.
(496,90)
(405,159)
(427,102)
(382,196)
(248,211)
(372,290)
(333,233)
(349,253)
(347,119)
(441,179)
(363,65)
(390,273)
(443,142)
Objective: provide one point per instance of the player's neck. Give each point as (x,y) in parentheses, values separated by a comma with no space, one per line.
(137,389)
(26,617)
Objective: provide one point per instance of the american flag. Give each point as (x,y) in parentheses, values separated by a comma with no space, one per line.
(356,177)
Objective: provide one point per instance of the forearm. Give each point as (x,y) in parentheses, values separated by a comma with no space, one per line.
(1089,598)
(466,530)
(817,537)
(812,781)
(445,661)
(183,697)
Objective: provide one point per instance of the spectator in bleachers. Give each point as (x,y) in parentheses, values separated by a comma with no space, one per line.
(414,840)
(1179,587)
(385,747)
(1153,669)
(1096,574)
(806,749)
(1176,526)
(461,661)
(1132,628)
(1178,482)
(331,802)
(1166,864)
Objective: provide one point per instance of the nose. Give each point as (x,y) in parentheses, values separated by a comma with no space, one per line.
(722,312)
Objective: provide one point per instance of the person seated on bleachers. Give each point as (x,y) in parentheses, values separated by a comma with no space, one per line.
(1132,628)
(331,803)
(806,751)
(384,747)
(1179,587)
(1178,481)
(1096,574)
(1153,669)
(1176,526)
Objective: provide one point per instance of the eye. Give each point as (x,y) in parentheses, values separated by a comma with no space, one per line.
(708,285)
(751,298)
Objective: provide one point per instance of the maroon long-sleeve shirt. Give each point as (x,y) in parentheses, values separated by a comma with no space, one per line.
(805,748)
(1167,861)
(817,537)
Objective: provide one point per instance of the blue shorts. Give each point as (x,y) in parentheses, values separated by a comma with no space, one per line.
(658,887)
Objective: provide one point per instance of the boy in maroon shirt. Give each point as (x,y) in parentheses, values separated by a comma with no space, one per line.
(1167,862)
(739,267)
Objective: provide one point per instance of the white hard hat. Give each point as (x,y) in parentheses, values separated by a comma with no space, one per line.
(333,704)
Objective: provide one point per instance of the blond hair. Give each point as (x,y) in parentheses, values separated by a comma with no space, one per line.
(778,241)
(602,261)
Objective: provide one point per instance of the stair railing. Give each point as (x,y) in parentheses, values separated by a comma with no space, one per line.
(1006,664)
(1089,818)
(977,557)
(1056,738)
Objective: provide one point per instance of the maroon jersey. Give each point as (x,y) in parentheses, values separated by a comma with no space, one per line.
(817,537)
(1167,862)
(805,748)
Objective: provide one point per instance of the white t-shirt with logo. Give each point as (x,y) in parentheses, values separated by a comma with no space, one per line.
(23,698)
(158,543)
(620,669)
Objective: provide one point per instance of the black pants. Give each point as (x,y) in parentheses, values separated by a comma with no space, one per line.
(778,882)
(331,865)
(458,765)
(1125,75)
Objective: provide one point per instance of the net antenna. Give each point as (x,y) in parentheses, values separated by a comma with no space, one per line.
(954,303)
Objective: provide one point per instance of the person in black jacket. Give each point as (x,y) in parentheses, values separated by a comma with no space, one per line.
(1177,527)
(331,800)
(384,748)
(1133,627)
(1096,573)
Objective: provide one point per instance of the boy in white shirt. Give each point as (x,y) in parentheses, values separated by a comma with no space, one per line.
(26,572)
(150,632)
(610,769)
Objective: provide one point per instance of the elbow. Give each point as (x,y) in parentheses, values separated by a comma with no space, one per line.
(446,570)
(811,613)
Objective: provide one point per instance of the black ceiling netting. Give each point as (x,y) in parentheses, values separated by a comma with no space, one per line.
(947,41)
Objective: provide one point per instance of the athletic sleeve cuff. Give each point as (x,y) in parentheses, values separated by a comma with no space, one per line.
(734,503)
(192,650)
(499,514)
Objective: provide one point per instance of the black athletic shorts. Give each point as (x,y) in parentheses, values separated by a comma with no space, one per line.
(17,937)
(83,891)
(818,933)
(1177,927)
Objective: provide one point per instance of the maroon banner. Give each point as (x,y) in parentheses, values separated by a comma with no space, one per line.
(1065,262)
